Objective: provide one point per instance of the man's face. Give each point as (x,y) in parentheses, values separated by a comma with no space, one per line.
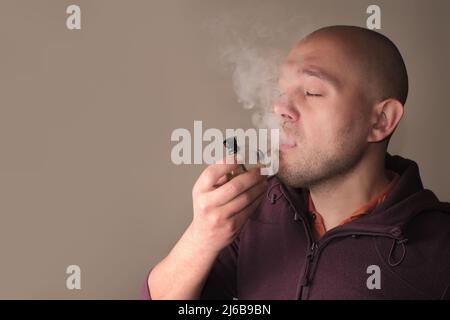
(324,110)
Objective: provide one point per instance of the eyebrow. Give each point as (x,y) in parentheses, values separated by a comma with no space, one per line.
(322,75)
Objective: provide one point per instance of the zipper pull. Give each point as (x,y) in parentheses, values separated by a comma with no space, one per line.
(306,280)
(312,250)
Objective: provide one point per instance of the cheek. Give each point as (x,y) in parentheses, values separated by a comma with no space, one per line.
(347,120)
(335,121)
(327,122)
(352,130)
(320,129)
(330,129)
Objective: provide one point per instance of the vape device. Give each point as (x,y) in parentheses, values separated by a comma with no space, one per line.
(232,148)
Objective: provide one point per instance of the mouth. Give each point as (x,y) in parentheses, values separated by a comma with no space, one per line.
(286,142)
(287,146)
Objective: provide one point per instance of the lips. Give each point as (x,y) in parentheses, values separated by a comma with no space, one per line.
(284,147)
(286,142)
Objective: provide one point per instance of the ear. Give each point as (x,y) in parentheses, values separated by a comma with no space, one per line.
(385,117)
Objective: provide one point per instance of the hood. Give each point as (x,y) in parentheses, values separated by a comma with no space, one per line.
(404,202)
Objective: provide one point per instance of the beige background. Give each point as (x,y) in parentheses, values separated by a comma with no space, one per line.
(86,118)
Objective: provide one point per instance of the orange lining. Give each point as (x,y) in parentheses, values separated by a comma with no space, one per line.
(318,225)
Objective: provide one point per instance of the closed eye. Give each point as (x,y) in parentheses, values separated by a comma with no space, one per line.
(310,94)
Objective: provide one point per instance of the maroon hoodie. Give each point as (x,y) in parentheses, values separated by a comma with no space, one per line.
(401,250)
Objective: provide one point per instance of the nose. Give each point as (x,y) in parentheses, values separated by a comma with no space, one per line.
(286,110)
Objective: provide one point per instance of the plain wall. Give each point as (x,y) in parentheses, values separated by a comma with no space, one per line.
(86,118)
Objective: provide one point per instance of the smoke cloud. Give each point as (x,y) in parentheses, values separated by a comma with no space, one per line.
(253,51)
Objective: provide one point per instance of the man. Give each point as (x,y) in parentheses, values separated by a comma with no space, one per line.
(343,219)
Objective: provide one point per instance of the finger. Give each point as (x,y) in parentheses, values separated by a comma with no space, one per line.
(210,176)
(235,187)
(244,199)
(222,180)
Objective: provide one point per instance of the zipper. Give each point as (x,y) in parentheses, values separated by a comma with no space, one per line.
(318,246)
(315,248)
(306,280)
(312,245)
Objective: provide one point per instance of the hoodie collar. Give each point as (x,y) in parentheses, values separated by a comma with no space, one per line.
(407,199)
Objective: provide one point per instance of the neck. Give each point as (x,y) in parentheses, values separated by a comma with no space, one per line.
(336,199)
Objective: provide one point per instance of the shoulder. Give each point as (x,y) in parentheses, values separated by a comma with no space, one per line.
(433,221)
(428,244)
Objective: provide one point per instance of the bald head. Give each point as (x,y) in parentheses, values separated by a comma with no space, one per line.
(342,95)
(379,62)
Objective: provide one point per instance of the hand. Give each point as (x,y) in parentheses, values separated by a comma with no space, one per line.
(221,207)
